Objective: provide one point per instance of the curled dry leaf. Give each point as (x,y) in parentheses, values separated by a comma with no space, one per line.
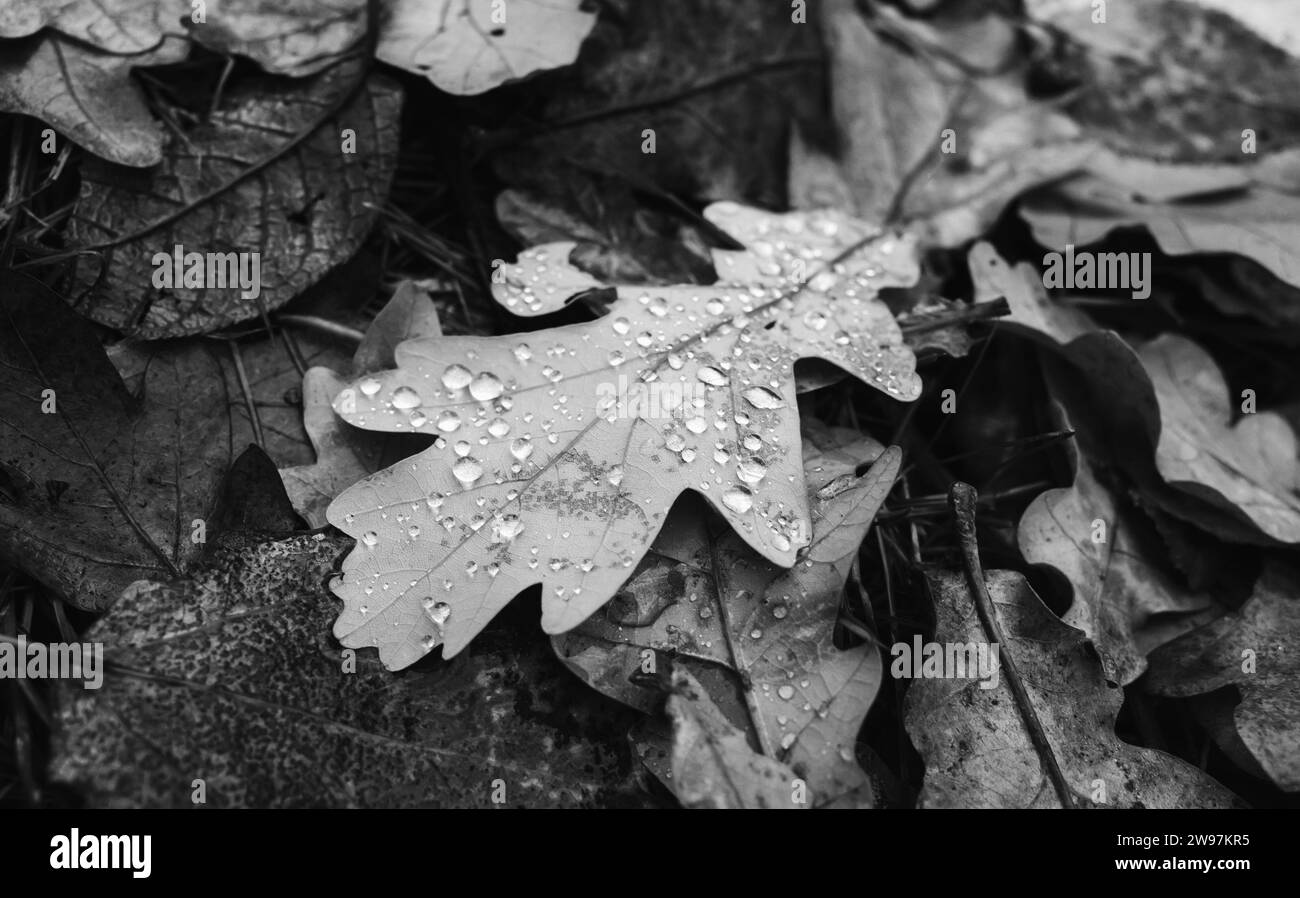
(1253,211)
(1125,604)
(705,597)
(235,674)
(1249,468)
(343,453)
(285,37)
(471,46)
(560,452)
(713,765)
(1253,649)
(1127,426)
(210,197)
(87,95)
(975,741)
(892,108)
(101,487)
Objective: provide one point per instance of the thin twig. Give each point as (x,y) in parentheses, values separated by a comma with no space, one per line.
(962,498)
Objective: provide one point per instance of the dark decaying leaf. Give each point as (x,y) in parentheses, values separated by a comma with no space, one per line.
(103,487)
(233,678)
(269,174)
(975,741)
(718,82)
(1253,649)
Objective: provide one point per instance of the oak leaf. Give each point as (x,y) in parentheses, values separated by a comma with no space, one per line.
(561,451)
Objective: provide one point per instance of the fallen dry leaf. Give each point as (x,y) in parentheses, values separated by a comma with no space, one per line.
(1125,604)
(1170,80)
(102,487)
(713,765)
(974,741)
(285,37)
(922,141)
(344,454)
(1254,650)
(1248,210)
(471,46)
(1248,468)
(87,95)
(271,140)
(541,475)
(704,596)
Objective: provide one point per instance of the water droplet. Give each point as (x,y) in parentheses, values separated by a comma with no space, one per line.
(786,692)
(467,470)
(738,499)
(756,633)
(418,418)
(622,326)
(615,475)
(438,612)
(675,442)
(521,448)
(523,353)
(405,397)
(369,386)
(370,537)
(751,471)
(696,424)
(506,528)
(762,397)
(456,377)
(780,611)
(711,376)
(413,531)
(616,358)
(448,421)
(753,442)
(486,387)
(499,427)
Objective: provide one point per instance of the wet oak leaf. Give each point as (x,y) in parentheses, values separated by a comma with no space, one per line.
(705,596)
(138,471)
(1253,649)
(234,672)
(472,46)
(975,743)
(561,451)
(239,184)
